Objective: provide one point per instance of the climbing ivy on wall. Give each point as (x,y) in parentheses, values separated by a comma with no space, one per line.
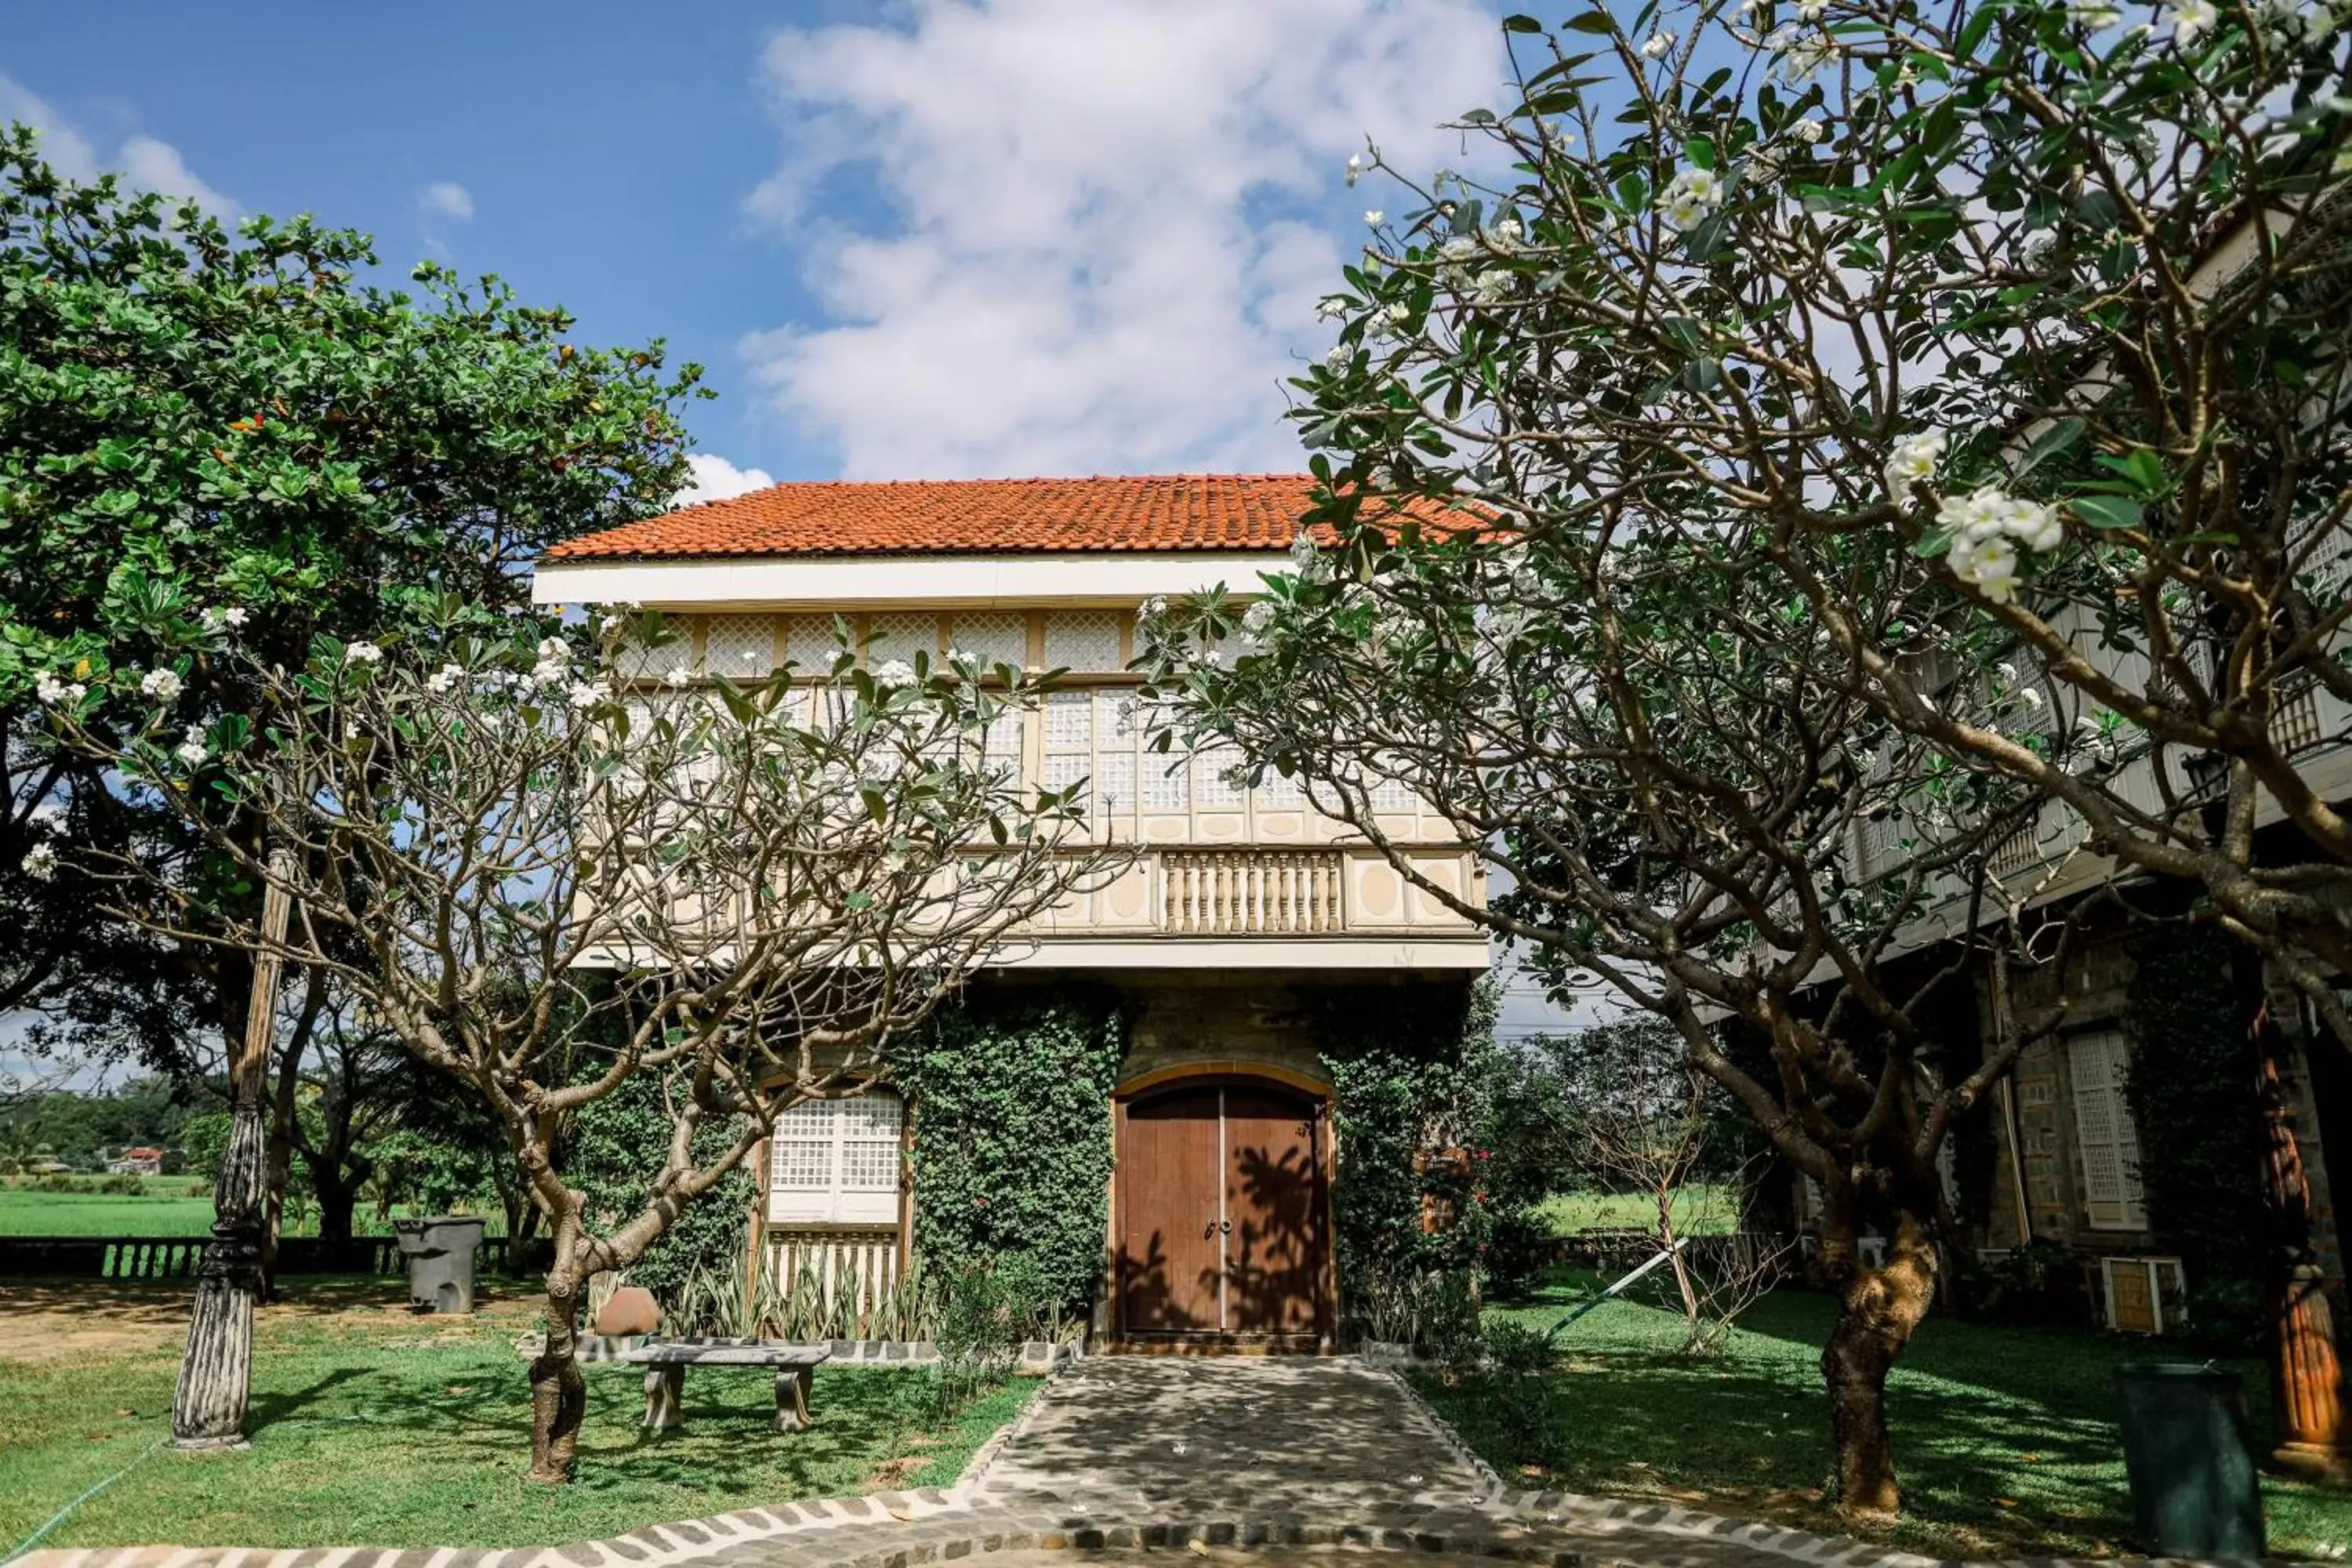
(1414,1074)
(1011,1146)
(616,1148)
(2191,1091)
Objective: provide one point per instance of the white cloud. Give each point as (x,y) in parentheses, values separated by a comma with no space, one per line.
(716,478)
(144,163)
(1112,219)
(446,198)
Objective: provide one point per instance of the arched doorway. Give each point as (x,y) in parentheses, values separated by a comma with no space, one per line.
(1222,1226)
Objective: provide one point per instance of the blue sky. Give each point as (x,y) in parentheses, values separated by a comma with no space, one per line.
(933,237)
(908,238)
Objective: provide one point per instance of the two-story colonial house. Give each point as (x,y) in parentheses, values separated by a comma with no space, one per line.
(1242,910)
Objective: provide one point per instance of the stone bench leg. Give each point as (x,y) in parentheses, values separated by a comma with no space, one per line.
(792,1398)
(665,1397)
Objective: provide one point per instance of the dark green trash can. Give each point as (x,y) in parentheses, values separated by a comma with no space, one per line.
(2194,1492)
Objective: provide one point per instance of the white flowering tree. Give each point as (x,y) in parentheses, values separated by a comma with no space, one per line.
(514,865)
(1657,748)
(1824,432)
(2051,292)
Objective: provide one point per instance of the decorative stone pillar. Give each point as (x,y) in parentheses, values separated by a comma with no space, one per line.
(2307,1376)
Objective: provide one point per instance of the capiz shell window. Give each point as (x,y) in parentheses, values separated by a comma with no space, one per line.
(836,1161)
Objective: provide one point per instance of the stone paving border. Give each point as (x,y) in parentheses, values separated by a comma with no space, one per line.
(1438,1427)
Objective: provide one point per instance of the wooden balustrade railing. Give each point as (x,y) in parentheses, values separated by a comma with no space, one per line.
(1250,891)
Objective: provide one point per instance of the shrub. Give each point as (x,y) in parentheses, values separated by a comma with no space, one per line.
(1012,1148)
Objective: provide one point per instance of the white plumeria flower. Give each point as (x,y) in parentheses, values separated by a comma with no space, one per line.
(1381,480)
(446,678)
(1339,358)
(2031,698)
(588,693)
(163,685)
(678,677)
(1914,459)
(1155,606)
(2191,19)
(1506,234)
(1691,197)
(1988,564)
(363,653)
(1492,287)
(893,672)
(1304,555)
(1356,166)
(1257,618)
(1801,56)
(234,617)
(51,689)
(212,619)
(1374,217)
(553,650)
(192,749)
(1330,307)
(2095,13)
(1658,45)
(1807,129)
(40,863)
(1811,10)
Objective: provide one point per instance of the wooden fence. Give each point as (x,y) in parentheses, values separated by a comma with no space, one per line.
(178,1257)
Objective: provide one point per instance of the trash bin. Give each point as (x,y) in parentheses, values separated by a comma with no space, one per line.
(440,1252)
(2193,1488)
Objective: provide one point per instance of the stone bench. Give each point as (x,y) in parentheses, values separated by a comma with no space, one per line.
(665,1361)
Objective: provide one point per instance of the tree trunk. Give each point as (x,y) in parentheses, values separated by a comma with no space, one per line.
(215,1371)
(337,1200)
(559,1394)
(1878,1308)
(279,1169)
(1675,1260)
(216,1368)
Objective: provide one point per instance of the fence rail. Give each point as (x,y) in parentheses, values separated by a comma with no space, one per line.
(180,1257)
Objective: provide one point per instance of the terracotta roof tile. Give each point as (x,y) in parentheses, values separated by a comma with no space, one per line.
(957,517)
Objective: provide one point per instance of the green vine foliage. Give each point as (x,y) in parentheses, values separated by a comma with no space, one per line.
(616,1149)
(1012,1147)
(2191,1086)
(1413,1073)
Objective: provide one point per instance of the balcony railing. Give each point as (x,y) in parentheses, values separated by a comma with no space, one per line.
(1251,892)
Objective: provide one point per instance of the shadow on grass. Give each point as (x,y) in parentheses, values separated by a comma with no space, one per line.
(2005,1436)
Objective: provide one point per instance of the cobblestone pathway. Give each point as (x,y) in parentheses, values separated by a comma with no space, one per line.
(1260,1434)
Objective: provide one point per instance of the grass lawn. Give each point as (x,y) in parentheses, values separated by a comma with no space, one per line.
(1700,1210)
(2005,1438)
(169,1206)
(372,1426)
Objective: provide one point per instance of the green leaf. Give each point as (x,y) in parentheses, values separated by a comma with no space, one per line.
(1519,22)
(2106,512)
(2057,438)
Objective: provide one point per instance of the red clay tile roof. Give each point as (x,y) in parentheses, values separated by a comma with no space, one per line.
(958,517)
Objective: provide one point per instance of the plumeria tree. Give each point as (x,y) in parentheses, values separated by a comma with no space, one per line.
(514,865)
(1949,397)
(1657,746)
(2053,293)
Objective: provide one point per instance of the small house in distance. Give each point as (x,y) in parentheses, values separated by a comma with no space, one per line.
(1246,918)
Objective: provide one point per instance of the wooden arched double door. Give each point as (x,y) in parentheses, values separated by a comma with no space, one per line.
(1222,1226)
